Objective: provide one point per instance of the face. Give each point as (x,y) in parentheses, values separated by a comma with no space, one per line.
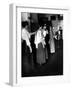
(60,27)
(26,27)
(44,27)
(40,27)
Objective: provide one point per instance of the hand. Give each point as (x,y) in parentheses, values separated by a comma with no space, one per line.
(47,32)
(30,49)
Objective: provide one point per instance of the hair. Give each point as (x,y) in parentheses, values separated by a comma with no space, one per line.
(24,24)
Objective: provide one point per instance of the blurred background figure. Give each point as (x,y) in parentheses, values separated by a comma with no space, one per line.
(51,42)
(45,33)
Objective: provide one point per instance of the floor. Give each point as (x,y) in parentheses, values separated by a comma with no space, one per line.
(53,66)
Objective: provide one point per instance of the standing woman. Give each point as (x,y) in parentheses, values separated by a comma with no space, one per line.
(26,48)
(51,42)
(40,46)
(45,33)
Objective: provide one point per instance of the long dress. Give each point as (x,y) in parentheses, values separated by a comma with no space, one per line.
(40,49)
(40,54)
(51,41)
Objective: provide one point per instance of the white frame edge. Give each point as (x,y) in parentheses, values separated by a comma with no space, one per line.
(13,44)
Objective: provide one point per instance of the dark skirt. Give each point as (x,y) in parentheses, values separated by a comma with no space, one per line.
(27,60)
(41,58)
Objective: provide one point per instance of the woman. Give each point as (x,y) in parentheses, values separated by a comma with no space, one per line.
(45,33)
(26,49)
(40,46)
(51,42)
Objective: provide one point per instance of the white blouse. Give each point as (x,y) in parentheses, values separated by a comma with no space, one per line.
(39,38)
(26,36)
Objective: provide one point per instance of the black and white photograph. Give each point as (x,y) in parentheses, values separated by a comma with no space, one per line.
(41,44)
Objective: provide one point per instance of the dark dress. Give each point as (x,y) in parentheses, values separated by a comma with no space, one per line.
(26,58)
(41,54)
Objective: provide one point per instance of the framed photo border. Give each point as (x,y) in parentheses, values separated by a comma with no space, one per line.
(13,72)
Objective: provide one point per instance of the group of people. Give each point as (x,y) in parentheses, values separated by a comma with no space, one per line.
(41,44)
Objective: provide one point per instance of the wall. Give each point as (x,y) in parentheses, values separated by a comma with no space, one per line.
(35,17)
(24,16)
(57,24)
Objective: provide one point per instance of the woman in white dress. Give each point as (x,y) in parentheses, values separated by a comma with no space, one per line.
(40,46)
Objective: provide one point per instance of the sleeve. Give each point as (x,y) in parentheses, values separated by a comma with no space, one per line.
(24,35)
(35,41)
